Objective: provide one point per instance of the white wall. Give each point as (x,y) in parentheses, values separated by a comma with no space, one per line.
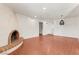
(69,29)
(28,27)
(7,24)
(48,28)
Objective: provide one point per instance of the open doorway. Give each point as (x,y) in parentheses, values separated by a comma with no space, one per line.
(40,28)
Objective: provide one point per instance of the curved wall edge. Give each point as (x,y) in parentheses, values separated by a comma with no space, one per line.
(11,50)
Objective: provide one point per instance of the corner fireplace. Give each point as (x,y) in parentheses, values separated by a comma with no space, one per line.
(14,36)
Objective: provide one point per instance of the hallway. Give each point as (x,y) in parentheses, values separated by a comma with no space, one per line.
(48,45)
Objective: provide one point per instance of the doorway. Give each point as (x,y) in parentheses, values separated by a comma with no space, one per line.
(40,28)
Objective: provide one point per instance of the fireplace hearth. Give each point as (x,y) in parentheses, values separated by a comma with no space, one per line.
(14,39)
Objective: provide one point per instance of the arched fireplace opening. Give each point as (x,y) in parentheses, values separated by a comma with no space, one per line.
(14,36)
(14,40)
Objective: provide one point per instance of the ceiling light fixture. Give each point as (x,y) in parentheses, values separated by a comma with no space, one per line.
(44,8)
(35,16)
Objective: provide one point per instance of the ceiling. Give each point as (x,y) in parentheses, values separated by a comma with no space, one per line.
(45,11)
(74,12)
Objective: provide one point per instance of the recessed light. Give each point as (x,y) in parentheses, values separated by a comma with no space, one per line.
(35,16)
(44,8)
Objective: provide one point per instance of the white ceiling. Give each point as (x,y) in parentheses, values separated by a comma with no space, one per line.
(53,10)
(74,12)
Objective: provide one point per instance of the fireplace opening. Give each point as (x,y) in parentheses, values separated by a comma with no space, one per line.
(14,36)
